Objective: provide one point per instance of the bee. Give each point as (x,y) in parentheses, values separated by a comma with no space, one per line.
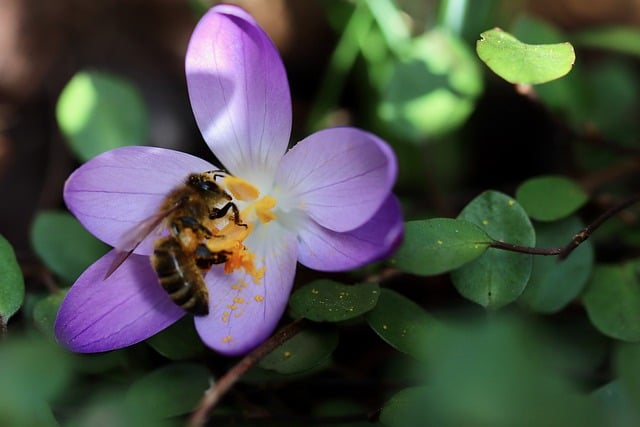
(191,212)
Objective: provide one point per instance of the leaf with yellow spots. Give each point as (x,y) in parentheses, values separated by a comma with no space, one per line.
(329,301)
(303,352)
(400,322)
(439,245)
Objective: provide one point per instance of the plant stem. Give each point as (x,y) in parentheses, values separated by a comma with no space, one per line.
(213,395)
(564,251)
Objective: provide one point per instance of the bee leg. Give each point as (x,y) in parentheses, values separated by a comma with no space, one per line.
(216,213)
(192,223)
(205,258)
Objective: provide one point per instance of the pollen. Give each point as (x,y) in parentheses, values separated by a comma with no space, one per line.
(241,189)
(238,300)
(264,209)
(227,339)
(258,298)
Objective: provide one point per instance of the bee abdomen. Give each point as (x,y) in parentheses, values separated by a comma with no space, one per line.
(180,276)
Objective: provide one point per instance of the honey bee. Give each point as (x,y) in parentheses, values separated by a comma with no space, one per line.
(191,212)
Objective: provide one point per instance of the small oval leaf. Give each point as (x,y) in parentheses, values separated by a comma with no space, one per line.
(303,352)
(612,300)
(45,312)
(439,245)
(329,301)
(11,283)
(98,112)
(554,284)
(549,198)
(400,322)
(522,63)
(498,277)
(169,391)
(63,244)
(179,341)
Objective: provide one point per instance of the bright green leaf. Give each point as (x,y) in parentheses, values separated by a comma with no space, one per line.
(97,112)
(554,284)
(432,90)
(11,283)
(169,391)
(439,245)
(612,300)
(179,341)
(303,352)
(64,245)
(400,322)
(329,301)
(522,63)
(549,198)
(498,277)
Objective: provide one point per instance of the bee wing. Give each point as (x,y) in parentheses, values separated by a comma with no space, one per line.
(132,238)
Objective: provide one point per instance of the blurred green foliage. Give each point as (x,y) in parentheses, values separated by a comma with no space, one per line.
(448,331)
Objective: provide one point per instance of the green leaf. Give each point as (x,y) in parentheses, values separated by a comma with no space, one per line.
(64,245)
(400,322)
(618,39)
(618,408)
(498,277)
(554,284)
(169,391)
(522,63)
(549,198)
(439,245)
(406,408)
(98,111)
(612,300)
(11,283)
(45,312)
(626,360)
(432,89)
(304,351)
(179,341)
(329,301)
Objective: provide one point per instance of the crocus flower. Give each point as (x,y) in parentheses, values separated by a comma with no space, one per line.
(326,202)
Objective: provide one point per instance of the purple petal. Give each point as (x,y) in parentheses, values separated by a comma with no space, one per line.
(115,191)
(326,250)
(243,313)
(339,176)
(239,91)
(128,307)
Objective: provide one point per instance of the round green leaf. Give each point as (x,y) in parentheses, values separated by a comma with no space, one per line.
(98,111)
(433,89)
(498,277)
(407,408)
(11,283)
(439,245)
(522,63)
(169,391)
(612,300)
(303,352)
(554,284)
(549,198)
(45,312)
(179,341)
(64,245)
(329,301)
(400,322)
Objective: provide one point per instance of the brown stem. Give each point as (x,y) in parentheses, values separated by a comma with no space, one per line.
(564,251)
(224,384)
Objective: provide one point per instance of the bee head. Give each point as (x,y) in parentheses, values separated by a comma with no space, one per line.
(203,183)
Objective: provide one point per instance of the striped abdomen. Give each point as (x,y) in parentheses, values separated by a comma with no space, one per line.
(180,276)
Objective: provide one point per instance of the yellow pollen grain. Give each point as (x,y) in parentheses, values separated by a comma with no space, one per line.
(232,307)
(258,298)
(227,339)
(238,300)
(241,189)
(511,202)
(485,222)
(440,242)
(287,354)
(315,291)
